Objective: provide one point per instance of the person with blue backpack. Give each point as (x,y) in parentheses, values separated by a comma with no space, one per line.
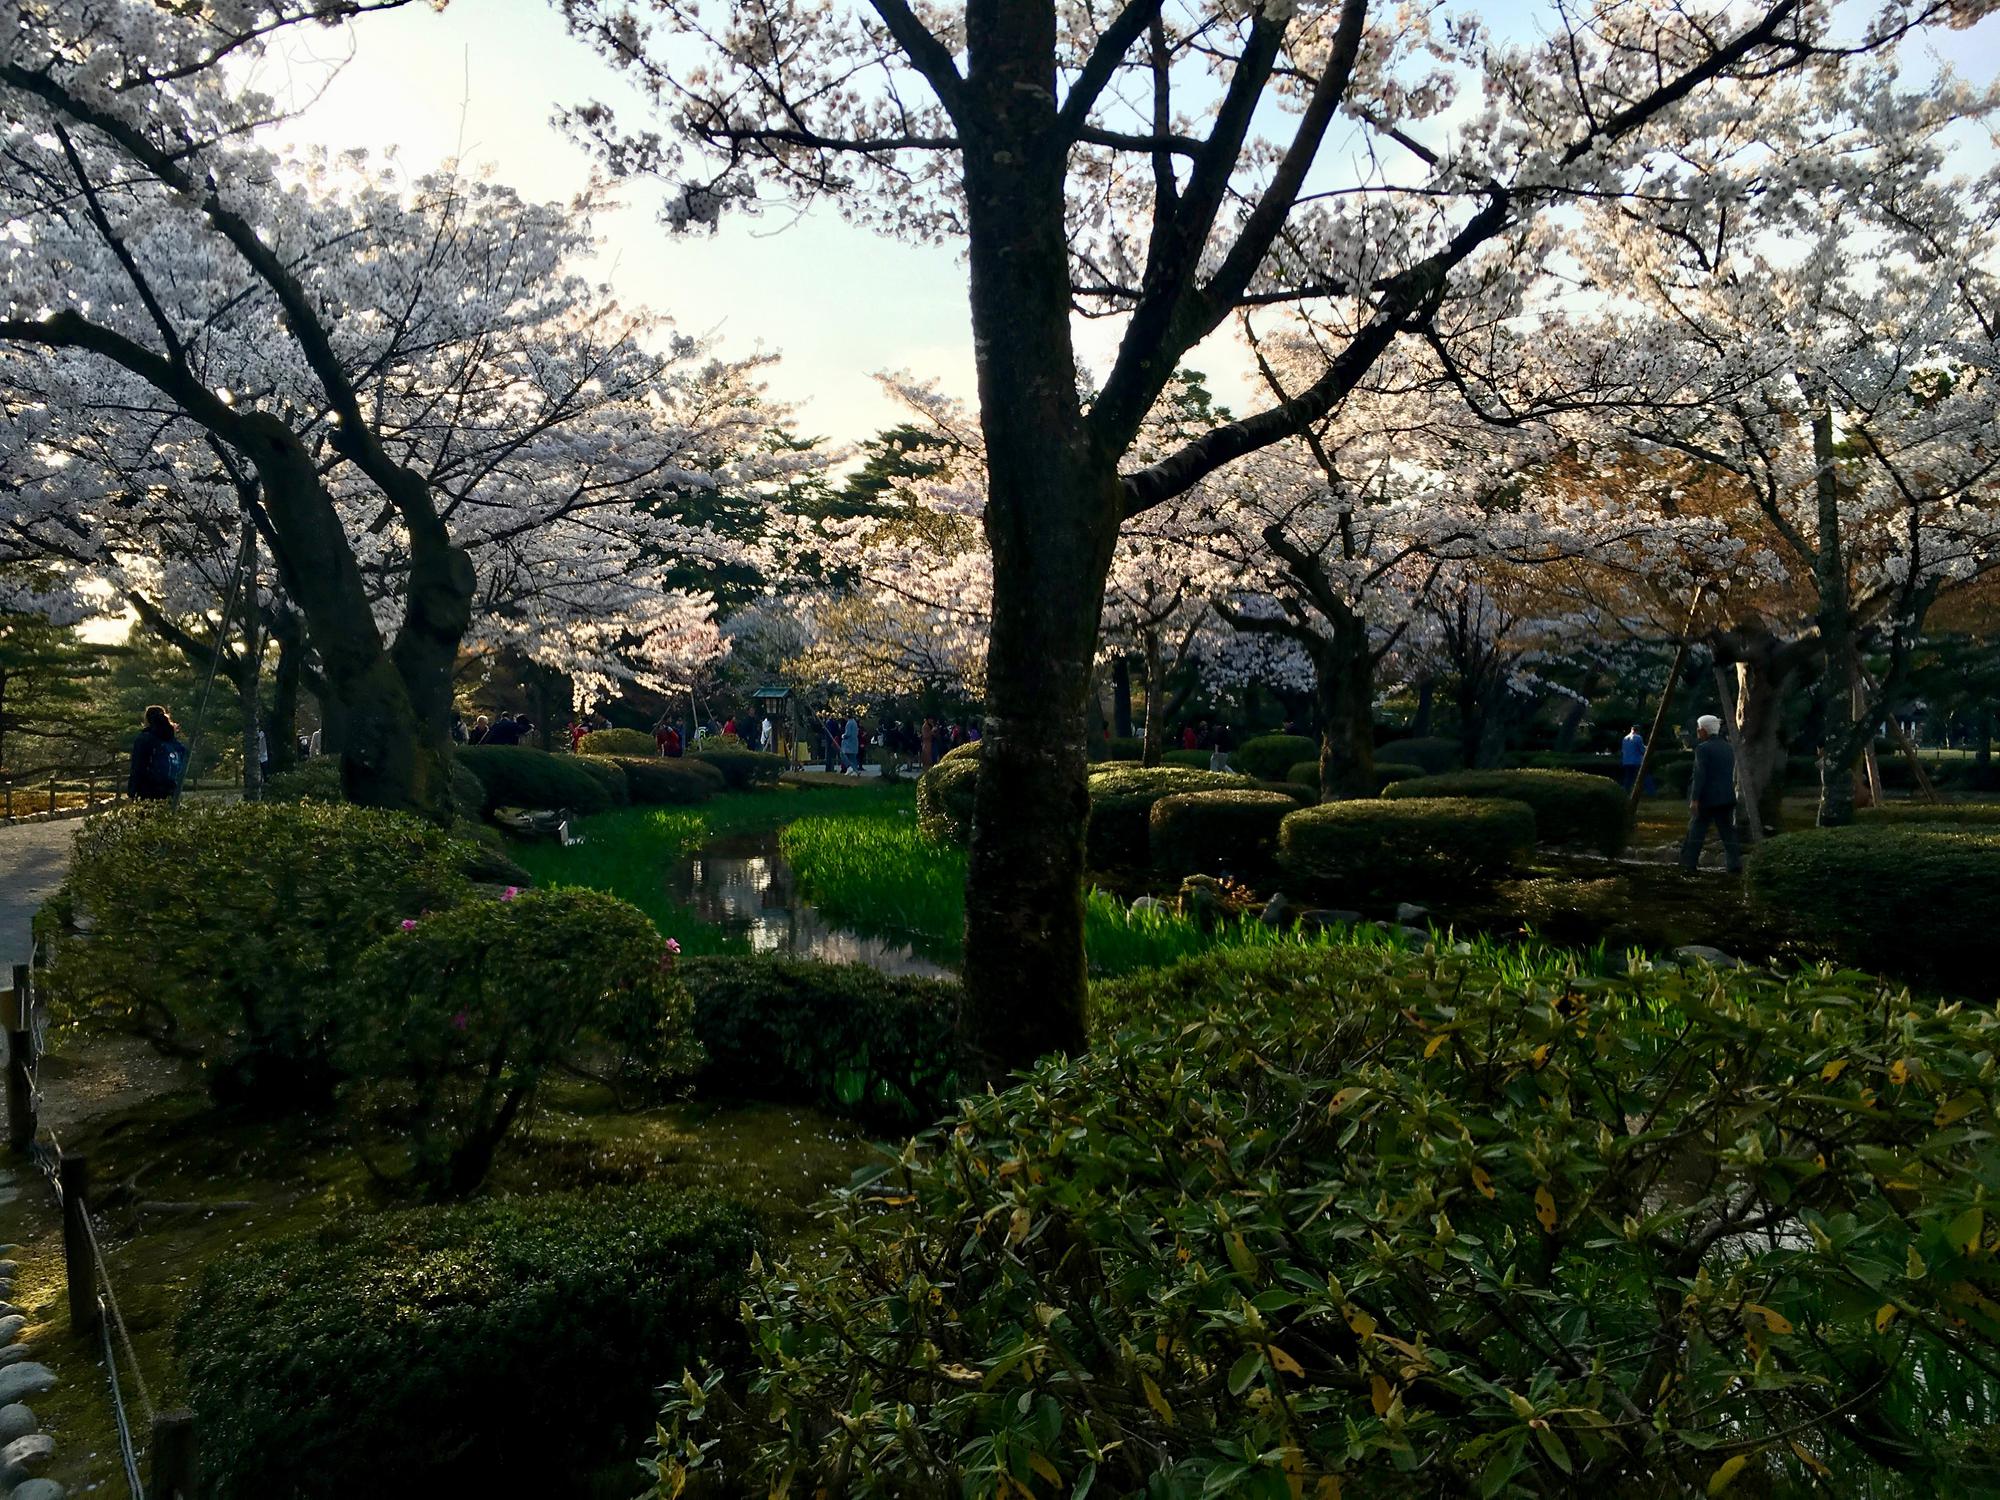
(159,759)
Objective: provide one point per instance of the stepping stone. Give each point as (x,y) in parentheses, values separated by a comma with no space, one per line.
(10,1328)
(38,1489)
(13,1354)
(24,1454)
(16,1421)
(25,1379)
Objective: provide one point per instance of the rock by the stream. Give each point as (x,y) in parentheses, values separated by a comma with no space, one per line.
(1279,911)
(1715,958)
(1408,913)
(38,1489)
(13,1354)
(1320,918)
(25,1379)
(23,1455)
(10,1328)
(1416,934)
(16,1421)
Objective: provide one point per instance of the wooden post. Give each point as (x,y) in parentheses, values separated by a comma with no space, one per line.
(1666,701)
(20,1060)
(74,1177)
(172,1457)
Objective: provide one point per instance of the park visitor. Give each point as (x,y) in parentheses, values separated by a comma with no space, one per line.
(850,747)
(458,729)
(1712,796)
(1631,755)
(481,727)
(159,759)
(766,735)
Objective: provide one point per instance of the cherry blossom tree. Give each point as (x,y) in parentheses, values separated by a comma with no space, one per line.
(1117,159)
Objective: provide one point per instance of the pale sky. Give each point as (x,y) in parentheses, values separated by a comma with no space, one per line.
(481,80)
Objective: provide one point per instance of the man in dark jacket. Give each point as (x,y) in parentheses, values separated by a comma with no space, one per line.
(159,759)
(505,731)
(1712,796)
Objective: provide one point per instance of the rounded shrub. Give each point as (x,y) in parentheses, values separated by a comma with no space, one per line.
(610,776)
(1121,806)
(616,742)
(1429,846)
(1120,747)
(451,1351)
(969,750)
(229,930)
(1571,807)
(843,1037)
(741,769)
(1930,815)
(1914,901)
(1587,762)
(1354,1221)
(1272,756)
(1203,832)
(672,781)
(1195,759)
(318,780)
(451,1022)
(945,795)
(520,776)
(1435,753)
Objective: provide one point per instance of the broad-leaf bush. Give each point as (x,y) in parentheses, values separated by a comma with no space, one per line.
(844,1037)
(1917,901)
(1121,806)
(1374,1223)
(452,1021)
(520,776)
(1202,832)
(618,742)
(1271,756)
(457,1351)
(1571,807)
(671,781)
(229,931)
(1427,847)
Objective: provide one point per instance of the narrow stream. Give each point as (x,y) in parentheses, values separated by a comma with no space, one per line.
(743,885)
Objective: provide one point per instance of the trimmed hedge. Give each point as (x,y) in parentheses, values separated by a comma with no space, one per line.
(655,780)
(1434,753)
(1121,747)
(520,776)
(232,928)
(457,1351)
(1408,1225)
(1306,773)
(969,750)
(1203,832)
(741,769)
(1121,806)
(1571,807)
(318,780)
(944,799)
(1272,756)
(1917,902)
(843,1037)
(1413,846)
(610,775)
(1931,814)
(1198,760)
(618,742)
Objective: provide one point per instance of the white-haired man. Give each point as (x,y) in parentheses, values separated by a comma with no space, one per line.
(1712,796)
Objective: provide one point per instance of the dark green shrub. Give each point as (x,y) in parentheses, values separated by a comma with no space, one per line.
(486,857)
(741,769)
(1388,772)
(1430,847)
(450,1023)
(1408,1225)
(1306,773)
(677,781)
(1571,807)
(1931,814)
(1586,762)
(230,929)
(454,1351)
(844,1037)
(1202,832)
(1198,760)
(1121,806)
(318,780)
(618,742)
(1272,756)
(520,776)
(610,776)
(944,799)
(1121,747)
(1434,753)
(967,751)
(1917,901)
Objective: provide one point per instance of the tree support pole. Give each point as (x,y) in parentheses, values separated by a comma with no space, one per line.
(1666,700)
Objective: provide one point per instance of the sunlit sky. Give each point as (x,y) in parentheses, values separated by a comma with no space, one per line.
(481,81)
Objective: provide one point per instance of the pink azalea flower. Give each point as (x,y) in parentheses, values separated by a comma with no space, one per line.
(673,945)
(510,893)
(409,924)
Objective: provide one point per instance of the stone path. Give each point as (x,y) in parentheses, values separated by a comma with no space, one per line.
(33,859)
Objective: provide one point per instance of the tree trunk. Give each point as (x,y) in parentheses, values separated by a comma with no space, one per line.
(1420,726)
(1344,679)
(1121,696)
(249,683)
(1054,506)
(1843,739)
(1765,669)
(285,678)
(1156,701)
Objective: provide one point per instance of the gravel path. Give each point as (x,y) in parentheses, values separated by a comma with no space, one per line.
(33,859)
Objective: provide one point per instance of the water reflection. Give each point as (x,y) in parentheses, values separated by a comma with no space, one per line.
(743,885)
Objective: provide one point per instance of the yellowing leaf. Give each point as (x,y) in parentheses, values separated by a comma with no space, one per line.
(1017,1225)
(1282,1361)
(1379,1394)
(1328,1487)
(1966,1231)
(1044,1468)
(1720,1480)
(1776,1321)
(1833,1070)
(1154,1399)
(1805,1457)
(1539,1058)
(1899,1070)
(1884,1316)
(1957,1109)
(1914,1265)
(1545,1208)
(1362,1324)
(1431,1047)
(961,1373)
(1295,1472)
(1239,1254)
(1482,1181)
(1344,1098)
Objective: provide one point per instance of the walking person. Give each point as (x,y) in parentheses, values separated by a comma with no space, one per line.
(159,759)
(1712,797)
(850,747)
(1631,756)
(767,736)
